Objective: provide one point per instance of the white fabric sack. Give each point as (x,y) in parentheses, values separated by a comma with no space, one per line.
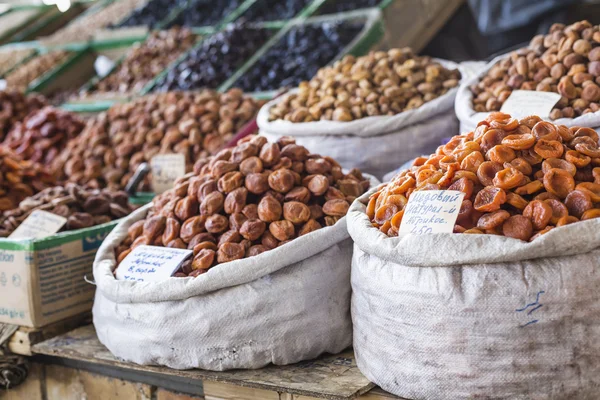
(451,316)
(282,306)
(469,118)
(393,140)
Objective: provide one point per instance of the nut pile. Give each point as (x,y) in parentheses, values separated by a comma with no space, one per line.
(381,83)
(245,201)
(83,28)
(298,56)
(219,56)
(146,60)
(82,207)
(12,58)
(274,10)
(332,6)
(205,12)
(150,14)
(114,144)
(20,179)
(521,178)
(43,134)
(21,77)
(565,61)
(15,106)
(13,19)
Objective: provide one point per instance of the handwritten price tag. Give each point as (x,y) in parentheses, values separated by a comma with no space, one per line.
(38,225)
(431,211)
(151,263)
(522,103)
(166,168)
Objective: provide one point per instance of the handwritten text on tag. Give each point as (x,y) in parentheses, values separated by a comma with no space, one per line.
(523,103)
(166,168)
(431,211)
(38,225)
(151,263)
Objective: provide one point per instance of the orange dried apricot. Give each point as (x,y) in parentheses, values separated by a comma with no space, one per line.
(589,150)
(493,219)
(472,161)
(559,210)
(522,165)
(539,213)
(519,142)
(501,154)
(489,199)
(529,188)
(542,232)
(487,172)
(566,220)
(464,185)
(549,148)
(508,178)
(545,130)
(516,201)
(589,214)
(559,182)
(591,188)
(385,213)
(559,163)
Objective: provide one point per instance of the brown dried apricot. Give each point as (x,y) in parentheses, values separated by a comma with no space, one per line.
(545,130)
(559,163)
(472,162)
(385,213)
(489,199)
(464,185)
(491,138)
(588,150)
(501,154)
(230,252)
(559,182)
(592,189)
(596,175)
(541,232)
(516,201)
(487,172)
(493,219)
(522,165)
(539,213)
(518,227)
(578,202)
(529,188)
(559,210)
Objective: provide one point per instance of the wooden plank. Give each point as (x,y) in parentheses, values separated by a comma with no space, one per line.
(222,391)
(24,338)
(334,377)
(71,384)
(379,394)
(163,394)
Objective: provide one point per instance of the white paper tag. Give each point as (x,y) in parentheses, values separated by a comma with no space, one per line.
(431,211)
(523,103)
(166,168)
(38,225)
(103,66)
(151,263)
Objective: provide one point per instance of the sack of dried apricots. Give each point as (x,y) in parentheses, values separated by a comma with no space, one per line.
(393,104)
(269,277)
(505,307)
(565,61)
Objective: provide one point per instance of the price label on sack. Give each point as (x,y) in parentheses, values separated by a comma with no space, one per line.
(431,211)
(38,225)
(523,103)
(166,168)
(151,263)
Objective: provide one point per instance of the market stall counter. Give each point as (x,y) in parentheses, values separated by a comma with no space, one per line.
(76,364)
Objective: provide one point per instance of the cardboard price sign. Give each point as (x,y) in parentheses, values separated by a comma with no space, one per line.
(431,211)
(166,169)
(38,225)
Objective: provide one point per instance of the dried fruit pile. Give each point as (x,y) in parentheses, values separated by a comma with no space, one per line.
(114,144)
(521,178)
(381,83)
(247,200)
(21,77)
(15,106)
(82,207)
(43,134)
(20,179)
(565,61)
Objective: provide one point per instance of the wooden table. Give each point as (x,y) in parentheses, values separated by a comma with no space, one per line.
(76,365)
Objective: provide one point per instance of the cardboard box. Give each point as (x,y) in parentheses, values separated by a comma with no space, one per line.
(43,281)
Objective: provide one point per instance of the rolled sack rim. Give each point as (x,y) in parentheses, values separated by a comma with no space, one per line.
(455,249)
(221,276)
(364,127)
(463,105)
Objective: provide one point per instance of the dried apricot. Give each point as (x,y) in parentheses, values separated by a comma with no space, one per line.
(519,142)
(578,202)
(531,156)
(489,199)
(577,159)
(591,188)
(559,210)
(493,219)
(501,154)
(545,130)
(529,188)
(491,138)
(596,174)
(559,163)
(539,213)
(397,220)
(559,182)
(385,213)
(542,232)
(508,178)
(464,185)
(518,227)
(522,165)
(589,214)
(472,161)
(588,150)
(549,148)
(566,220)
(487,172)
(584,131)
(516,201)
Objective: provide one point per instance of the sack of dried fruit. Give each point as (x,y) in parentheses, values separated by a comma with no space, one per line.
(564,61)
(392,104)
(269,280)
(506,306)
